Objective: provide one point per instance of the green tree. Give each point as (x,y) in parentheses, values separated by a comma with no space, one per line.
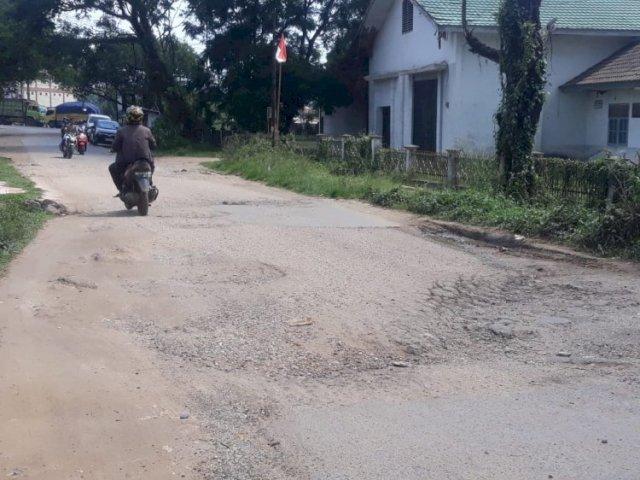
(521,57)
(24,41)
(115,71)
(148,24)
(240,37)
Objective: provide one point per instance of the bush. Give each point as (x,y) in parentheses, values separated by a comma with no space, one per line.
(168,134)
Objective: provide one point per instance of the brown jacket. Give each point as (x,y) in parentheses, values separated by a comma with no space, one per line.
(132,143)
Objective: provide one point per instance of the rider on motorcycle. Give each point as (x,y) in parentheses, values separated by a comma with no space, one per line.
(67,127)
(133,142)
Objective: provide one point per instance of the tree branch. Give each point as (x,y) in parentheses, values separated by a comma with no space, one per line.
(475,44)
(325,17)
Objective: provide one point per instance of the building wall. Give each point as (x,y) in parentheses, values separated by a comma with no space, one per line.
(470,86)
(351,120)
(395,52)
(471,99)
(563,123)
(47,94)
(597,122)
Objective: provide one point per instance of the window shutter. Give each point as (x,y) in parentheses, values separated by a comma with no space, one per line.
(407,16)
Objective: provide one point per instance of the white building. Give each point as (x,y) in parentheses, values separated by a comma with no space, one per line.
(46,93)
(426,88)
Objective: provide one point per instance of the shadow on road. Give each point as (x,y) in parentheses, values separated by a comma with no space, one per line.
(114,214)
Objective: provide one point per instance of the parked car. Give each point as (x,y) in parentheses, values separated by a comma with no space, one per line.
(91,124)
(105,132)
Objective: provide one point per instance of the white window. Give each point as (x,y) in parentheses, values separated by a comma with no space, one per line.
(619,124)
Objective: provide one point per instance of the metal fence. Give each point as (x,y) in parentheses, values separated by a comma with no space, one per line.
(583,181)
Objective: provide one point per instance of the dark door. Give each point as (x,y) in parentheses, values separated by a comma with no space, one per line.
(386,126)
(425,114)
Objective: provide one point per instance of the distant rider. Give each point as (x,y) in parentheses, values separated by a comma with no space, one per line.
(67,127)
(133,142)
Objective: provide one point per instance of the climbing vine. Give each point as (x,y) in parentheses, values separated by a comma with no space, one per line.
(521,58)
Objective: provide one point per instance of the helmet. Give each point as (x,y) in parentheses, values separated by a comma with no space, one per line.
(135,115)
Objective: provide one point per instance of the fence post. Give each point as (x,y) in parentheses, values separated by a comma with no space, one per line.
(409,156)
(453,174)
(343,145)
(320,139)
(611,191)
(376,143)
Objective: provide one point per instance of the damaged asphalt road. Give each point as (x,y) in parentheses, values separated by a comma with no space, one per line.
(244,332)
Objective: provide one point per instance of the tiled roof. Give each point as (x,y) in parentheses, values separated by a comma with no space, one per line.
(621,67)
(620,15)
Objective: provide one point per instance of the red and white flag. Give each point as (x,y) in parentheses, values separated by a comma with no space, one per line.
(281,52)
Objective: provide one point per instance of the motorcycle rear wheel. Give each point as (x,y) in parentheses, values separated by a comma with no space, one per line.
(143,204)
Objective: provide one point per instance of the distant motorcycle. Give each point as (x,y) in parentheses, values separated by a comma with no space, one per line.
(81,143)
(138,189)
(68,145)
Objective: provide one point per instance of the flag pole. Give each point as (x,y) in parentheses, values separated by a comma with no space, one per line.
(276,132)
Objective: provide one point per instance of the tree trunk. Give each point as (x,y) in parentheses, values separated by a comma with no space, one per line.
(162,84)
(522,73)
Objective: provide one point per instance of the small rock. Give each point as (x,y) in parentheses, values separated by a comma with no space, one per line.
(273,443)
(302,323)
(184,415)
(604,442)
(400,364)
(70,282)
(184,170)
(503,329)
(414,350)
(563,354)
(54,208)
(553,321)
(33,204)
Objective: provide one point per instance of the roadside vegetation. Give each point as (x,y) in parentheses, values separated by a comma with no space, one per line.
(198,150)
(19,222)
(610,231)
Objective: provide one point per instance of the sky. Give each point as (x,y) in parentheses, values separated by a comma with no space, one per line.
(180,6)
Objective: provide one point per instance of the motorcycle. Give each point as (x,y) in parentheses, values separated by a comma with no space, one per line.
(81,143)
(138,189)
(68,145)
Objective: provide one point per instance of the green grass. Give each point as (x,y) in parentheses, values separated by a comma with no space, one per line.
(291,171)
(18,223)
(200,151)
(568,222)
